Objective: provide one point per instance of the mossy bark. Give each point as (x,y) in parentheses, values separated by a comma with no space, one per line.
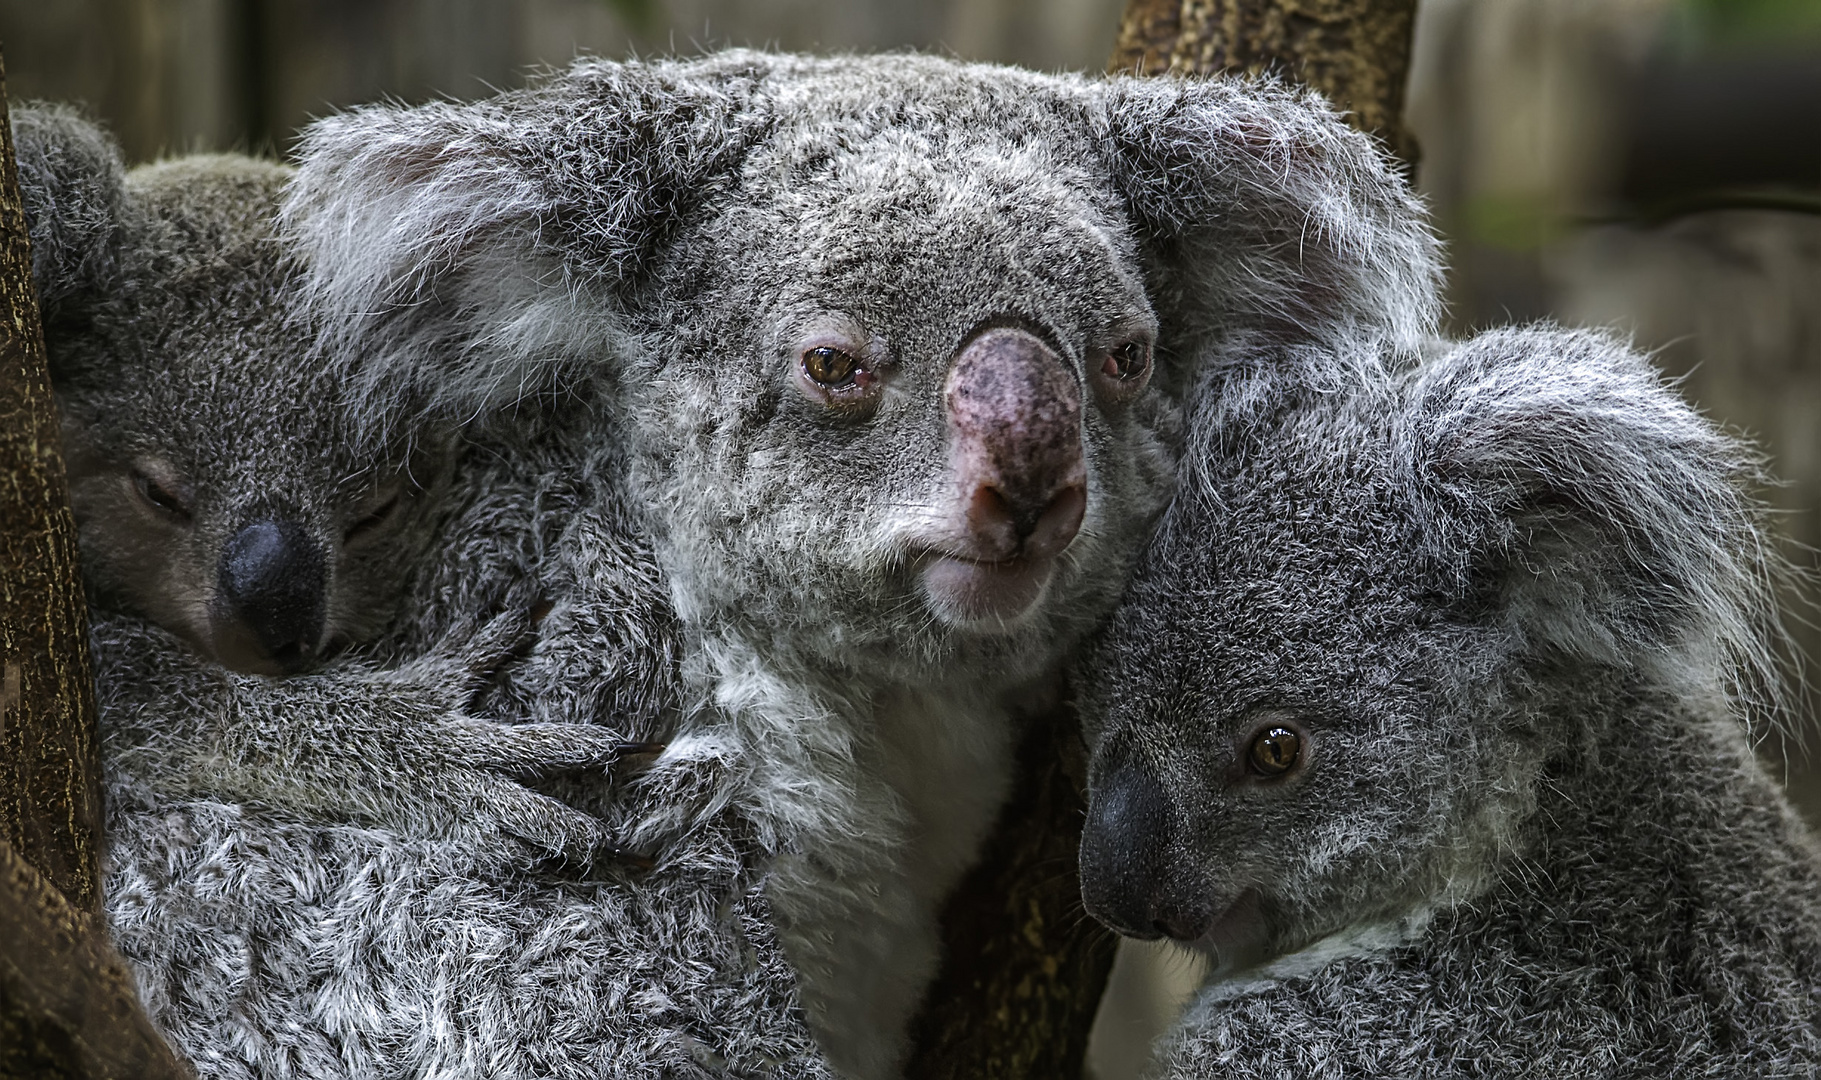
(1356,52)
(68,1007)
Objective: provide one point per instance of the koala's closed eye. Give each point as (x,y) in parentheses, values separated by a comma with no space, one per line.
(162,494)
(374,519)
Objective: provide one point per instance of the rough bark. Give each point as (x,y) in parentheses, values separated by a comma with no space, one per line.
(1356,52)
(67,1002)
(50,789)
(1024,966)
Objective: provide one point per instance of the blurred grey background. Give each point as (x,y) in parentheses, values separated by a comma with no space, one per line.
(1648,165)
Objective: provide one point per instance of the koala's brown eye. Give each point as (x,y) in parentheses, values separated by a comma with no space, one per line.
(1123,371)
(832,368)
(159,497)
(1128,362)
(1275,751)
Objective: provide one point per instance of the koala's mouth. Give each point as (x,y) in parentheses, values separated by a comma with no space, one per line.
(1238,938)
(981,595)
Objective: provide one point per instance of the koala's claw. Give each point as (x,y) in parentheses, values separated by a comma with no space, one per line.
(543,749)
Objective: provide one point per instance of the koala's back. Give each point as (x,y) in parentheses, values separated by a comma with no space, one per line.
(270,947)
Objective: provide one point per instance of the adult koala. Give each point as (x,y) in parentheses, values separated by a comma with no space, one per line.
(1436,739)
(874,339)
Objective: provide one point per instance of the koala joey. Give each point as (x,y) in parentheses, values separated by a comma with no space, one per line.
(1425,714)
(887,351)
(215,494)
(227,519)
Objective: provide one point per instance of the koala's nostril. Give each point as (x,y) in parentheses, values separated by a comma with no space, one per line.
(1184,924)
(1035,533)
(271,580)
(1057,525)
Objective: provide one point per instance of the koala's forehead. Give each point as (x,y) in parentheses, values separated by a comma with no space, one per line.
(924,229)
(1300,580)
(217,386)
(209,203)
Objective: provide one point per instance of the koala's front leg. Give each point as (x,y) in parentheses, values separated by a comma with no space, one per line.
(396,749)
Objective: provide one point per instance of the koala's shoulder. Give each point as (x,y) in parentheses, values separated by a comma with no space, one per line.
(217,202)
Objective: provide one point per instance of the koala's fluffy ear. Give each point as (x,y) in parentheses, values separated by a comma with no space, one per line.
(70,180)
(1563,482)
(1269,215)
(435,232)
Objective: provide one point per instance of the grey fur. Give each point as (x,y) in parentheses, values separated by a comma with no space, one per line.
(1516,601)
(274,929)
(169,312)
(605,274)
(655,236)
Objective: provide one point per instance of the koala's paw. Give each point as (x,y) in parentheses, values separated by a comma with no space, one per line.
(480,767)
(474,770)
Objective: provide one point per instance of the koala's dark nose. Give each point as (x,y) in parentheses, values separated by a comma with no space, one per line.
(1014,410)
(1127,880)
(271,580)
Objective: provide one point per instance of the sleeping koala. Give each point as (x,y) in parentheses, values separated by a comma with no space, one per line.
(884,355)
(226,518)
(214,493)
(1425,718)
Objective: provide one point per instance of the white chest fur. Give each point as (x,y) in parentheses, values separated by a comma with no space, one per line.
(947,758)
(880,808)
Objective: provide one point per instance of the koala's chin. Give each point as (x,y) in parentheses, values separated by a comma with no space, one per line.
(986,597)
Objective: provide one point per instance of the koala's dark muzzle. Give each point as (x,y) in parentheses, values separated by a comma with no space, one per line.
(1128,879)
(272,582)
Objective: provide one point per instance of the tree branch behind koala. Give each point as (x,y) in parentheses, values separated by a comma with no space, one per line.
(1356,52)
(67,1003)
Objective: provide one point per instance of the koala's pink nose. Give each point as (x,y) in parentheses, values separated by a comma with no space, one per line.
(1015,412)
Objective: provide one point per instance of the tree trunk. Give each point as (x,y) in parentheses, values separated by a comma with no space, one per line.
(1024,965)
(67,1003)
(1356,52)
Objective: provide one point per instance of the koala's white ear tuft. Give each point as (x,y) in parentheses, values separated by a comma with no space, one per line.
(463,256)
(71,182)
(1269,214)
(1615,523)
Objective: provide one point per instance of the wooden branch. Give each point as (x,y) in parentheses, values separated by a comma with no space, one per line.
(50,776)
(1356,52)
(68,1007)
(68,1004)
(1025,966)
